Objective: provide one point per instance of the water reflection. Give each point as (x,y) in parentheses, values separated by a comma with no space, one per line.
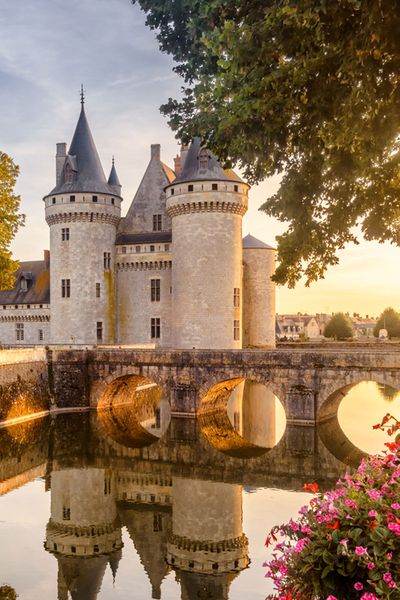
(132,481)
(133,411)
(364,405)
(242,418)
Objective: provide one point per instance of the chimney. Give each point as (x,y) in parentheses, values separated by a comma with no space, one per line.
(46,256)
(156,151)
(178,165)
(60,159)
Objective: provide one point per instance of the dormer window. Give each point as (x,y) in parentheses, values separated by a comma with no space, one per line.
(23,285)
(203,159)
(69,175)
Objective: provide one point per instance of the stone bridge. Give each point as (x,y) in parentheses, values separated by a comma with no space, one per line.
(310,382)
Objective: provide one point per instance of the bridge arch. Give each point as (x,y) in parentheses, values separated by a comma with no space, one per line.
(131,409)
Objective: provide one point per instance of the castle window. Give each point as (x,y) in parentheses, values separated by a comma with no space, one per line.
(112,201)
(19,332)
(69,175)
(236,330)
(54,200)
(65,234)
(95,548)
(123,250)
(94,198)
(166,247)
(235,188)
(172,191)
(236,297)
(66,513)
(73,549)
(97,290)
(152,248)
(157,222)
(137,249)
(203,159)
(72,198)
(23,285)
(65,288)
(107,260)
(99,331)
(190,188)
(40,335)
(214,186)
(155,328)
(155,290)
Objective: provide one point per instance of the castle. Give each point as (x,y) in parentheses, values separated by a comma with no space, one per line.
(174,272)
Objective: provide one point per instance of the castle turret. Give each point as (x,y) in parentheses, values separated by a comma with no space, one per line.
(259,293)
(113,179)
(206,205)
(83,212)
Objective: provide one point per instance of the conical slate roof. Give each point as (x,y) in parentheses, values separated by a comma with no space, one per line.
(250,242)
(89,175)
(113,178)
(193,170)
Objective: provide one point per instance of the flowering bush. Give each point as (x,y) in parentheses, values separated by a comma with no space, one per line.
(346,544)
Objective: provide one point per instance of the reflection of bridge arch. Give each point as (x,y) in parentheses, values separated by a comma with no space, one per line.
(127,410)
(329,429)
(238,417)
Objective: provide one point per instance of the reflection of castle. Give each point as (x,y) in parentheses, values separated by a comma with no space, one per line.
(202,540)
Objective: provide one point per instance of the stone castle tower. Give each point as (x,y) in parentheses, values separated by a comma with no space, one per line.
(83,212)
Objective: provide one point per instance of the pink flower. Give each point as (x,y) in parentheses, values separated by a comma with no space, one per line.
(395,505)
(370,566)
(389,555)
(358,586)
(360,550)
(374,494)
(372,513)
(387,577)
(330,597)
(369,596)
(392,584)
(395,527)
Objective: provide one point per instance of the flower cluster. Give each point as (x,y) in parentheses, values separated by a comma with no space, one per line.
(346,543)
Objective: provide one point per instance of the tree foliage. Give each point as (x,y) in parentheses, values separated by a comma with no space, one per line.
(10,219)
(339,327)
(389,320)
(306,88)
(7,593)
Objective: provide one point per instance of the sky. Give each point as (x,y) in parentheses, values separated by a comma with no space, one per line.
(48,48)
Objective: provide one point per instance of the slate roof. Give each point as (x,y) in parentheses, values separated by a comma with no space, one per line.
(250,242)
(113,178)
(37,274)
(146,237)
(193,171)
(89,172)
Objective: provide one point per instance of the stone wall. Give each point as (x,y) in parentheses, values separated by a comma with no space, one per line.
(23,382)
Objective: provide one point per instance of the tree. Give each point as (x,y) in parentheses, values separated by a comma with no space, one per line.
(10,219)
(307,88)
(7,593)
(389,320)
(339,327)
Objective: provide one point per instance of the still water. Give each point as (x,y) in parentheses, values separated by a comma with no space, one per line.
(119,506)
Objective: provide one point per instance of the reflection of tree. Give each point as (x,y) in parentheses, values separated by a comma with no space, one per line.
(388,392)
(8,593)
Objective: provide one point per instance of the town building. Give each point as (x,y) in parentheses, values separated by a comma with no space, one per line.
(174,272)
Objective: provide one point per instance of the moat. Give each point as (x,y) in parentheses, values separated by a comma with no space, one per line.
(118,504)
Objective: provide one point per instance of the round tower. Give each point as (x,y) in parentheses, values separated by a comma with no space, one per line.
(259,293)
(206,205)
(83,212)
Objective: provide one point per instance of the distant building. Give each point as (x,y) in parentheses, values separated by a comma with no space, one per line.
(174,272)
(296,327)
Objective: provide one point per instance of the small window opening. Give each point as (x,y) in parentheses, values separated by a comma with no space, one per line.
(190,188)
(94,198)
(72,198)
(214,186)
(155,328)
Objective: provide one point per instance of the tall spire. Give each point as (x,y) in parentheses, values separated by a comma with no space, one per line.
(82,96)
(113,178)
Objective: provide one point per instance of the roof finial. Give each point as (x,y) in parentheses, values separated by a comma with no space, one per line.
(82,96)
(113,160)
